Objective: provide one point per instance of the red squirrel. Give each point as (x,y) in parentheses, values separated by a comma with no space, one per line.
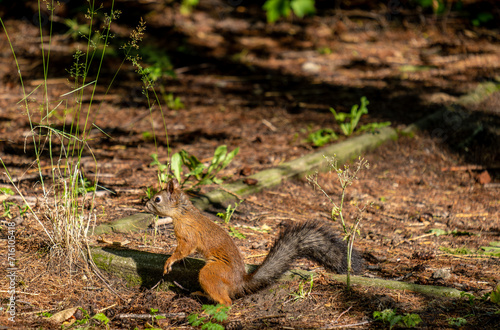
(224,277)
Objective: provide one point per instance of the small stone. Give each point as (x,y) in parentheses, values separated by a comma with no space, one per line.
(443,273)
(311,67)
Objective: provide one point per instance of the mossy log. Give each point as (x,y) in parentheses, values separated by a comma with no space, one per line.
(133,222)
(430,290)
(344,151)
(145,269)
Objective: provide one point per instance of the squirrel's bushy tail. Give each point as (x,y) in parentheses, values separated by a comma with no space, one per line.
(312,240)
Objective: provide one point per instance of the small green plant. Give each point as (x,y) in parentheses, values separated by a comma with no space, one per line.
(147,136)
(8,212)
(482,18)
(174,103)
(75,29)
(45,314)
(325,50)
(188,5)
(150,192)
(202,173)
(373,127)
(6,209)
(6,191)
(349,121)
(352,118)
(456,321)
(229,212)
(283,8)
(101,318)
(470,297)
(158,62)
(302,293)
(85,317)
(214,316)
(84,320)
(236,233)
(495,295)
(154,316)
(389,316)
(85,186)
(346,177)
(321,137)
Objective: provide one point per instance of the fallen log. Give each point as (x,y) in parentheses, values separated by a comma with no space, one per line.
(145,269)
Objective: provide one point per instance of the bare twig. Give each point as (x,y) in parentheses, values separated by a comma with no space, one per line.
(149,316)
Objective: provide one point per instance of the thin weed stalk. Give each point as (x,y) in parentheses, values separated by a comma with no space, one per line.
(346,177)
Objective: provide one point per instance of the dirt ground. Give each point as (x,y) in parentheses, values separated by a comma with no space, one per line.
(263,88)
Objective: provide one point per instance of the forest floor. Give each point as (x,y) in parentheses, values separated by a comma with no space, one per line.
(434,197)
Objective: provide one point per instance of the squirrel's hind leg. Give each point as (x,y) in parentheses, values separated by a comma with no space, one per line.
(215,280)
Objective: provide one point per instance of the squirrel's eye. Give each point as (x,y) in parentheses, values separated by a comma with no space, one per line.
(157,199)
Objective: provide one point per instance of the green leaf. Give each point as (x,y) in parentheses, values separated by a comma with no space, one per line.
(395,320)
(198,171)
(276,9)
(411,320)
(157,163)
(176,166)
(189,160)
(7,191)
(339,117)
(457,321)
(101,317)
(235,233)
(221,315)
(357,112)
(212,326)
(321,137)
(229,158)
(303,7)
(195,320)
(346,128)
(155,160)
(495,295)
(219,155)
(210,309)
(385,315)
(217,181)
(374,126)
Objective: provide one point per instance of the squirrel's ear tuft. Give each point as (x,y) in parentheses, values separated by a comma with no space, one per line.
(172,185)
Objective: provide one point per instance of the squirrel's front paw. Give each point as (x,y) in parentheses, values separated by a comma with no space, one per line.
(167,268)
